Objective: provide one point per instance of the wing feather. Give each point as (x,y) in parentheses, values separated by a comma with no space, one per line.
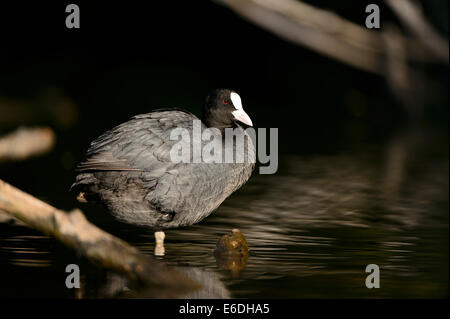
(142,143)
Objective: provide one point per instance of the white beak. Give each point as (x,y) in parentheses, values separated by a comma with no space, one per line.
(241,116)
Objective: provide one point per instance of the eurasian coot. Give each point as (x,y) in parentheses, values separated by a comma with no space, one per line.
(130,168)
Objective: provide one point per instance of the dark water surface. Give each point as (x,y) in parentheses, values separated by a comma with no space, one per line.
(312,229)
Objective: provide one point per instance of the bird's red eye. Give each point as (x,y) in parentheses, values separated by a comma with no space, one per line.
(224,102)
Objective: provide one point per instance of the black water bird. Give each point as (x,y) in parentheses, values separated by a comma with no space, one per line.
(131,170)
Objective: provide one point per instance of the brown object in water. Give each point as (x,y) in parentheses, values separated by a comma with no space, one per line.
(232,251)
(232,244)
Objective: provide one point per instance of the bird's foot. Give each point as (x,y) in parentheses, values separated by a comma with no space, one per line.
(159,247)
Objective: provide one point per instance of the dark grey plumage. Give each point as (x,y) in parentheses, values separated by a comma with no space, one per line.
(129,169)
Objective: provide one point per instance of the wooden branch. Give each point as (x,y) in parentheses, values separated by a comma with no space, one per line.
(324,32)
(413,18)
(26,142)
(75,231)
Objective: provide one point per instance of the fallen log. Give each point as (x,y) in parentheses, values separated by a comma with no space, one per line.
(75,231)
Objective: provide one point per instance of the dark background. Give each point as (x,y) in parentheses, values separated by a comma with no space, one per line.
(129,58)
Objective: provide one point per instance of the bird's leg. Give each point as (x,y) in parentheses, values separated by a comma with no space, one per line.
(159,247)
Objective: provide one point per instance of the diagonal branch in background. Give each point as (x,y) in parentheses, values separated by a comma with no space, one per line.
(413,18)
(324,32)
(75,231)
